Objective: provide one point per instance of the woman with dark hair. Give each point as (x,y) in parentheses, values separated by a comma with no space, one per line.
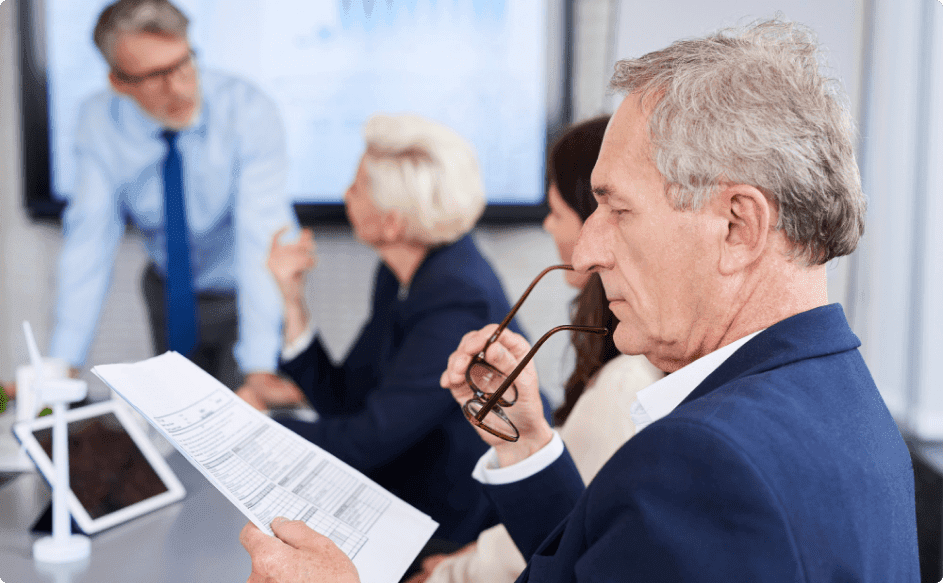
(594,418)
(571,201)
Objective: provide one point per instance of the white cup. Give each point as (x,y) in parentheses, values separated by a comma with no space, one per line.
(27,403)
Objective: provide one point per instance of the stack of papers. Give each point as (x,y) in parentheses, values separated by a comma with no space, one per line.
(266,470)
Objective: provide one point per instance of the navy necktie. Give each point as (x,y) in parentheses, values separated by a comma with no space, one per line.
(180,299)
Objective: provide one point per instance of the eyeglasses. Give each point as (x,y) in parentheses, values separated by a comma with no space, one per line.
(493,389)
(157,79)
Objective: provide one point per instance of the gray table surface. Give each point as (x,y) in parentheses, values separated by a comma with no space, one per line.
(195,540)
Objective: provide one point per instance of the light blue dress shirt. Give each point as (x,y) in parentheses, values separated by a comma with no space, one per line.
(234,165)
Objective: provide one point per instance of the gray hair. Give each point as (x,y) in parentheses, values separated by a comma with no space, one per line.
(154,16)
(426,171)
(751,106)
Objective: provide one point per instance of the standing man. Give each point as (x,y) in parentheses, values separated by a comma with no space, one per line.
(726,182)
(196,161)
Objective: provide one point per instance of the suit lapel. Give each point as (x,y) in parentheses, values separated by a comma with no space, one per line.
(817,332)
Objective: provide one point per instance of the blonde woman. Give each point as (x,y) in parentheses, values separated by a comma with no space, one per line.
(416,195)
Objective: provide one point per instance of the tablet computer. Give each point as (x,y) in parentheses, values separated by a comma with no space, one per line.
(115,472)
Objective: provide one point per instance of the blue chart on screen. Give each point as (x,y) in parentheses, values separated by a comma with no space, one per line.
(475,65)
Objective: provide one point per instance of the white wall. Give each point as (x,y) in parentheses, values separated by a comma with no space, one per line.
(647,26)
(29,250)
(596,30)
(899,311)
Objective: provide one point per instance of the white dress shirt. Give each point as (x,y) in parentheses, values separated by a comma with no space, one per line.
(651,404)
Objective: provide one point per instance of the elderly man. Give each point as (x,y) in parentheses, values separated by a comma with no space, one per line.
(196,161)
(725,183)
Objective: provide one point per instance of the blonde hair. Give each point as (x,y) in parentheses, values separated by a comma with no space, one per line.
(427,172)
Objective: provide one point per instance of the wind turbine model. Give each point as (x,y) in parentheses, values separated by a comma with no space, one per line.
(62,546)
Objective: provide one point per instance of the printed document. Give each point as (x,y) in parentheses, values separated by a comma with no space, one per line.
(267,470)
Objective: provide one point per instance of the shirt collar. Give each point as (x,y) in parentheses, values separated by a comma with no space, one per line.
(661,397)
(198,127)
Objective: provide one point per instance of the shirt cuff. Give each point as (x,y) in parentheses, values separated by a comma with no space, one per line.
(488,470)
(293,350)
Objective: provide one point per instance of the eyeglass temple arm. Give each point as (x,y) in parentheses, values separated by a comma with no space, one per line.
(493,399)
(517,306)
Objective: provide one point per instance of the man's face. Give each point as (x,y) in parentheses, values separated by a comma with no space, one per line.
(656,263)
(157,72)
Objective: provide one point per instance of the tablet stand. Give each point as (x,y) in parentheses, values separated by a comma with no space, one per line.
(62,546)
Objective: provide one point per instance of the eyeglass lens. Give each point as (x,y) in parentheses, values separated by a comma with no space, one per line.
(483,378)
(493,389)
(156,79)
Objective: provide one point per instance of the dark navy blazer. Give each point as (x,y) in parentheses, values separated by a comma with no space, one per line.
(783,465)
(383,411)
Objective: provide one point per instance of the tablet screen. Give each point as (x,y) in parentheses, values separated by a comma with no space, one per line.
(107,470)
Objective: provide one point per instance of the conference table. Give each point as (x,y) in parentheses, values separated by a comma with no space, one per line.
(195,540)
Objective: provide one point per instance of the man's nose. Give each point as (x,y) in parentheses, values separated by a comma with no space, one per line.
(593,247)
(179,85)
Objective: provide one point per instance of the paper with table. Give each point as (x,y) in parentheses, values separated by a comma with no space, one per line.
(266,470)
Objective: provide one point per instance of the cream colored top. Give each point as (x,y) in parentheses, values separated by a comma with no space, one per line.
(598,426)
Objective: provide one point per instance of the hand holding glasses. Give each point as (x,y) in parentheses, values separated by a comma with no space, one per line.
(493,389)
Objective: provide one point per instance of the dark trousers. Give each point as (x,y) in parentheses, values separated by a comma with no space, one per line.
(217,322)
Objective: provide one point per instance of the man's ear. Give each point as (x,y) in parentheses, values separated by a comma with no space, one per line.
(117,84)
(748,215)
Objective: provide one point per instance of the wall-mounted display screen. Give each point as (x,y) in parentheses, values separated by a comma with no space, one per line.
(479,66)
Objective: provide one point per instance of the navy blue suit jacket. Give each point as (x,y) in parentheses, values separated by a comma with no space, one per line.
(383,411)
(783,465)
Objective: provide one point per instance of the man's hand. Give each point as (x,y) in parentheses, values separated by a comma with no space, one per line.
(263,390)
(297,554)
(526,413)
